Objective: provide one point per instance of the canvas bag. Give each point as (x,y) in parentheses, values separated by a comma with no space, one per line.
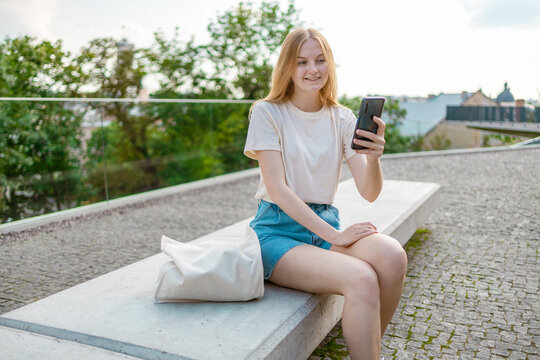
(223,266)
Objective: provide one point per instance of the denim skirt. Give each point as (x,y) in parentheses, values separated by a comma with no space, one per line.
(279,233)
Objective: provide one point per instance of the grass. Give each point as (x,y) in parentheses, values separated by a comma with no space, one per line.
(331,349)
(417,240)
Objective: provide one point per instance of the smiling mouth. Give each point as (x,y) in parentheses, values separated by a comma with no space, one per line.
(312,79)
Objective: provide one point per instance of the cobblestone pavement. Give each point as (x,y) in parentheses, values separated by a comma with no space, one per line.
(471,290)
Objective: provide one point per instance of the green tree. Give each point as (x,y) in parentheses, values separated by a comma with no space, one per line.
(184,146)
(244,45)
(170,143)
(116,69)
(150,145)
(396,142)
(440,142)
(201,139)
(177,65)
(123,173)
(39,142)
(146,146)
(230,137)
(417,143)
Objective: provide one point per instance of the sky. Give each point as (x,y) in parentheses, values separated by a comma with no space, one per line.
(385,47)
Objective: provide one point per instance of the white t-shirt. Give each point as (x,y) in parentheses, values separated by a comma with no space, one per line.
(312,145)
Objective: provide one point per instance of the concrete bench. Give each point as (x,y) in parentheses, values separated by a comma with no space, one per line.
(114,316)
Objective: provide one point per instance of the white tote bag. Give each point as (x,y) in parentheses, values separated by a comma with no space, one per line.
(215,267)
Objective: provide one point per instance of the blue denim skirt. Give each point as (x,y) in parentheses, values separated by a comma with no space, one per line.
(279,233)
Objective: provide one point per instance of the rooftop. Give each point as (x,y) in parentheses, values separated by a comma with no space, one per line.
(505,95)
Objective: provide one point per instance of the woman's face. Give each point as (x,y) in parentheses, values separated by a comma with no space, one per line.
(311,71)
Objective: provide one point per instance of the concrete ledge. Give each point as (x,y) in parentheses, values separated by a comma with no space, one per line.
(457,151)
(116,312)
(400,209)
(15,346)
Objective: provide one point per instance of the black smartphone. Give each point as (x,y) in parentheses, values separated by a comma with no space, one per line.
(369,107)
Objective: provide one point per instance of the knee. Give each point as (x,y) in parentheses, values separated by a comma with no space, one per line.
(392,257)
(362,284)
(399,256)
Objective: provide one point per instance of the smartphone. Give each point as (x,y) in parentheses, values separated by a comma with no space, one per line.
(369,107)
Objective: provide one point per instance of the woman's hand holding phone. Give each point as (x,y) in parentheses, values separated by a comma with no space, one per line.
(374,147)
(368,138)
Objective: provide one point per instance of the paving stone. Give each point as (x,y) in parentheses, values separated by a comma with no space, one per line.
(432,348)
(483,353)
(448,357)
(517,356)
(500,352)
(533,350)
(404,355)
(448,350)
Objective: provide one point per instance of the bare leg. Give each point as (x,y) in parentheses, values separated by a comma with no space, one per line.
(315,270)
(389,261)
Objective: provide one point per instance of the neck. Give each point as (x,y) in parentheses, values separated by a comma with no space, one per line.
(311,103)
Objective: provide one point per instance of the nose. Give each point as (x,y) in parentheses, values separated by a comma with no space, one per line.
(312,67)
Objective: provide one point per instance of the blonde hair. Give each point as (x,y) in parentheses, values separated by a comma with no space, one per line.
(282,83)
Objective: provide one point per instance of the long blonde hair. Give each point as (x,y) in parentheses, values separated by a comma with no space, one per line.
(282,84)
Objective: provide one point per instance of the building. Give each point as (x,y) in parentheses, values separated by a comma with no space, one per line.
(423,114)
(479,99)
(453,131)
(505,96)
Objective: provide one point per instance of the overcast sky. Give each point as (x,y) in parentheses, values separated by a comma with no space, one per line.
(390,47)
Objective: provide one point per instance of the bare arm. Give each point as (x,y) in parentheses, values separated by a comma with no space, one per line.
(273,174)
(366,170)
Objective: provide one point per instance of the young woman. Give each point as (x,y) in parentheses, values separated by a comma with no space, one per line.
(300,135)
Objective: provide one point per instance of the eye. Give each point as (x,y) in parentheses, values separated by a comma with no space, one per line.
(302,62)
(321,60)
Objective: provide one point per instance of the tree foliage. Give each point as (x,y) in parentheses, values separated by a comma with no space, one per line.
(177,65)
(440,142)
(115,69)
(38,142)
(244,45)
(46,165)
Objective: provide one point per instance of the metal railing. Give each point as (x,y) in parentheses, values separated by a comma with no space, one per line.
(493,113)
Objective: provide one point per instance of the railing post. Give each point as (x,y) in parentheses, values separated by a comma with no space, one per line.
(103,155)
(212,153)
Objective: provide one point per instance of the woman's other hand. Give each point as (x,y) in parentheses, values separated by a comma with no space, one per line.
(354,233)
(375,147)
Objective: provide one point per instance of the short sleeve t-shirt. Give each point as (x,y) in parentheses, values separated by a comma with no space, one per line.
(312,145)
